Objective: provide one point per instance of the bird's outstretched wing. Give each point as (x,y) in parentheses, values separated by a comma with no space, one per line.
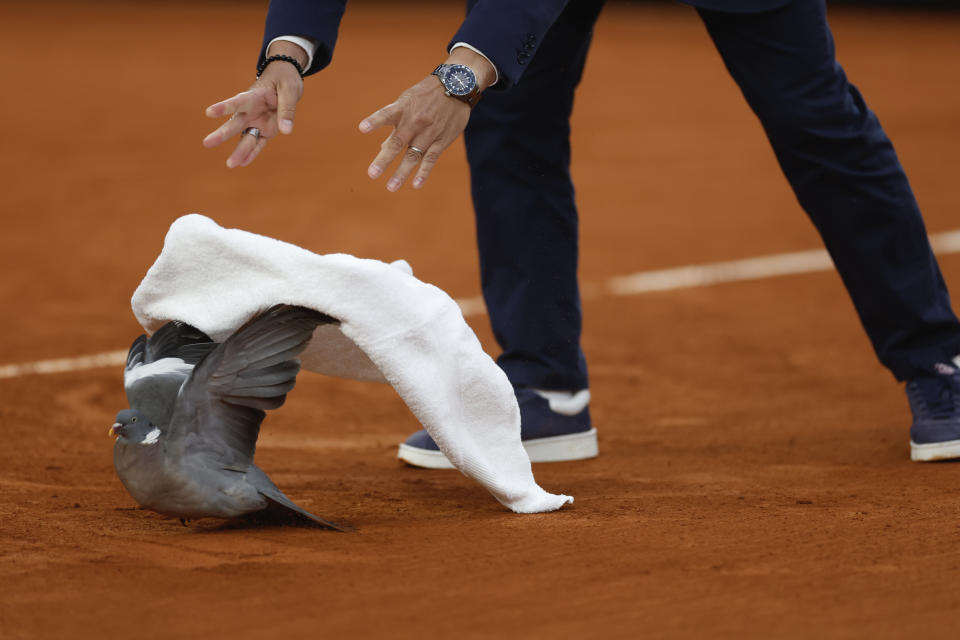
(159,365)
(224,400)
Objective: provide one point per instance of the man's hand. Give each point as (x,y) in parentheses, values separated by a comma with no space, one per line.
(269,105)
(422,118)
(425,122)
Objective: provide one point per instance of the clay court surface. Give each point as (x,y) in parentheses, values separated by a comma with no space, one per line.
(754,477)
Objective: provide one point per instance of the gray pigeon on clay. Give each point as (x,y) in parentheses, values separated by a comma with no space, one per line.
(185,447)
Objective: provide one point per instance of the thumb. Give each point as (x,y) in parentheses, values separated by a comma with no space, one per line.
(287,97)
(379,118)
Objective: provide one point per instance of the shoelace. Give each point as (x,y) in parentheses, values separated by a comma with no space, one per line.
(937,396)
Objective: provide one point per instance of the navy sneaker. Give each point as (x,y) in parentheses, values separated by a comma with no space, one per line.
(553,428)
(935,403)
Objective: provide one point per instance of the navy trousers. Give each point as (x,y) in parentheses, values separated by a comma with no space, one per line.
(831,147)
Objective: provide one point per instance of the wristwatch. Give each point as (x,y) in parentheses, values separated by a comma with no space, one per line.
(459,81)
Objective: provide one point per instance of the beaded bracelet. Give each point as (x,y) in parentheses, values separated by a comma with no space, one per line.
(291,60)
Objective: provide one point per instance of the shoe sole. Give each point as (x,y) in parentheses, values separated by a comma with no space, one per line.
(574,446)
(949,450)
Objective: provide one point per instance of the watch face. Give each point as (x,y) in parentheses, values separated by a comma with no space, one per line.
(459,80)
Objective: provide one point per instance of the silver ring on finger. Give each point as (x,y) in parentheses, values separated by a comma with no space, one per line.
(416,150)
(253,131)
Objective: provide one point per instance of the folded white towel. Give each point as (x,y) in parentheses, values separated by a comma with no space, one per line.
(393,328)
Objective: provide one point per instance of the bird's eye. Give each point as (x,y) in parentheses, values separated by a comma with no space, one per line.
(133,420)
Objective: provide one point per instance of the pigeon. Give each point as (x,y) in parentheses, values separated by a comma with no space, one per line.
(185,446)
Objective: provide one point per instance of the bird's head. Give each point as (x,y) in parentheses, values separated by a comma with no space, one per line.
(134,427)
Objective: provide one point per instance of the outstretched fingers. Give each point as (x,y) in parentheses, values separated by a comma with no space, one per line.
(257,148)
(416,144)
(415,156)
(248,147)
(237,108)
(425,122)
(426,165)
(230,105)
(224,132)
(392,146)
(380,117)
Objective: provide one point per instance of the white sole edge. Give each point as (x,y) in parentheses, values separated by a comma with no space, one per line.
(949,450)
(574,446)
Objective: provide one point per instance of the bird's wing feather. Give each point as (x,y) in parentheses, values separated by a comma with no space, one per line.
(222,403)
(158,366)
(180,340)
(137,353)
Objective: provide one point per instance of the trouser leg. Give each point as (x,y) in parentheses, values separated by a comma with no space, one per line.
(846,176)
(518,148)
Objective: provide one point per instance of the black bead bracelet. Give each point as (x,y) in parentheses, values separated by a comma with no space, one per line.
(291,60)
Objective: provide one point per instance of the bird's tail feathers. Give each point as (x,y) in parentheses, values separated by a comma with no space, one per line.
(277,499)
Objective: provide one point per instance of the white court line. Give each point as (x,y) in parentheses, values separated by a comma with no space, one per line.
(60,365)
(771,266)
(716,272)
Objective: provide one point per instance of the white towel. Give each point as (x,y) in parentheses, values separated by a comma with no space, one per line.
(393,328)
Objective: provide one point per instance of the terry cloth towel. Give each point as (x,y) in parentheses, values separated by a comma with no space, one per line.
(393,328)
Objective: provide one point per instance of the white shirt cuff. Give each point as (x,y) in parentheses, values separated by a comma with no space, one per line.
(304,43)
(475,50)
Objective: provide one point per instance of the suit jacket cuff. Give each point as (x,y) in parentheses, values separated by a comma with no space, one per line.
(508,33)
(304,43)
(496,74)
(316,21)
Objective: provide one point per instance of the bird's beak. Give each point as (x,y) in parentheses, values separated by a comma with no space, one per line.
(115,429)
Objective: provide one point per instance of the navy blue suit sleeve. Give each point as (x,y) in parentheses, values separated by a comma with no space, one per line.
(508,32)
(318,20)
